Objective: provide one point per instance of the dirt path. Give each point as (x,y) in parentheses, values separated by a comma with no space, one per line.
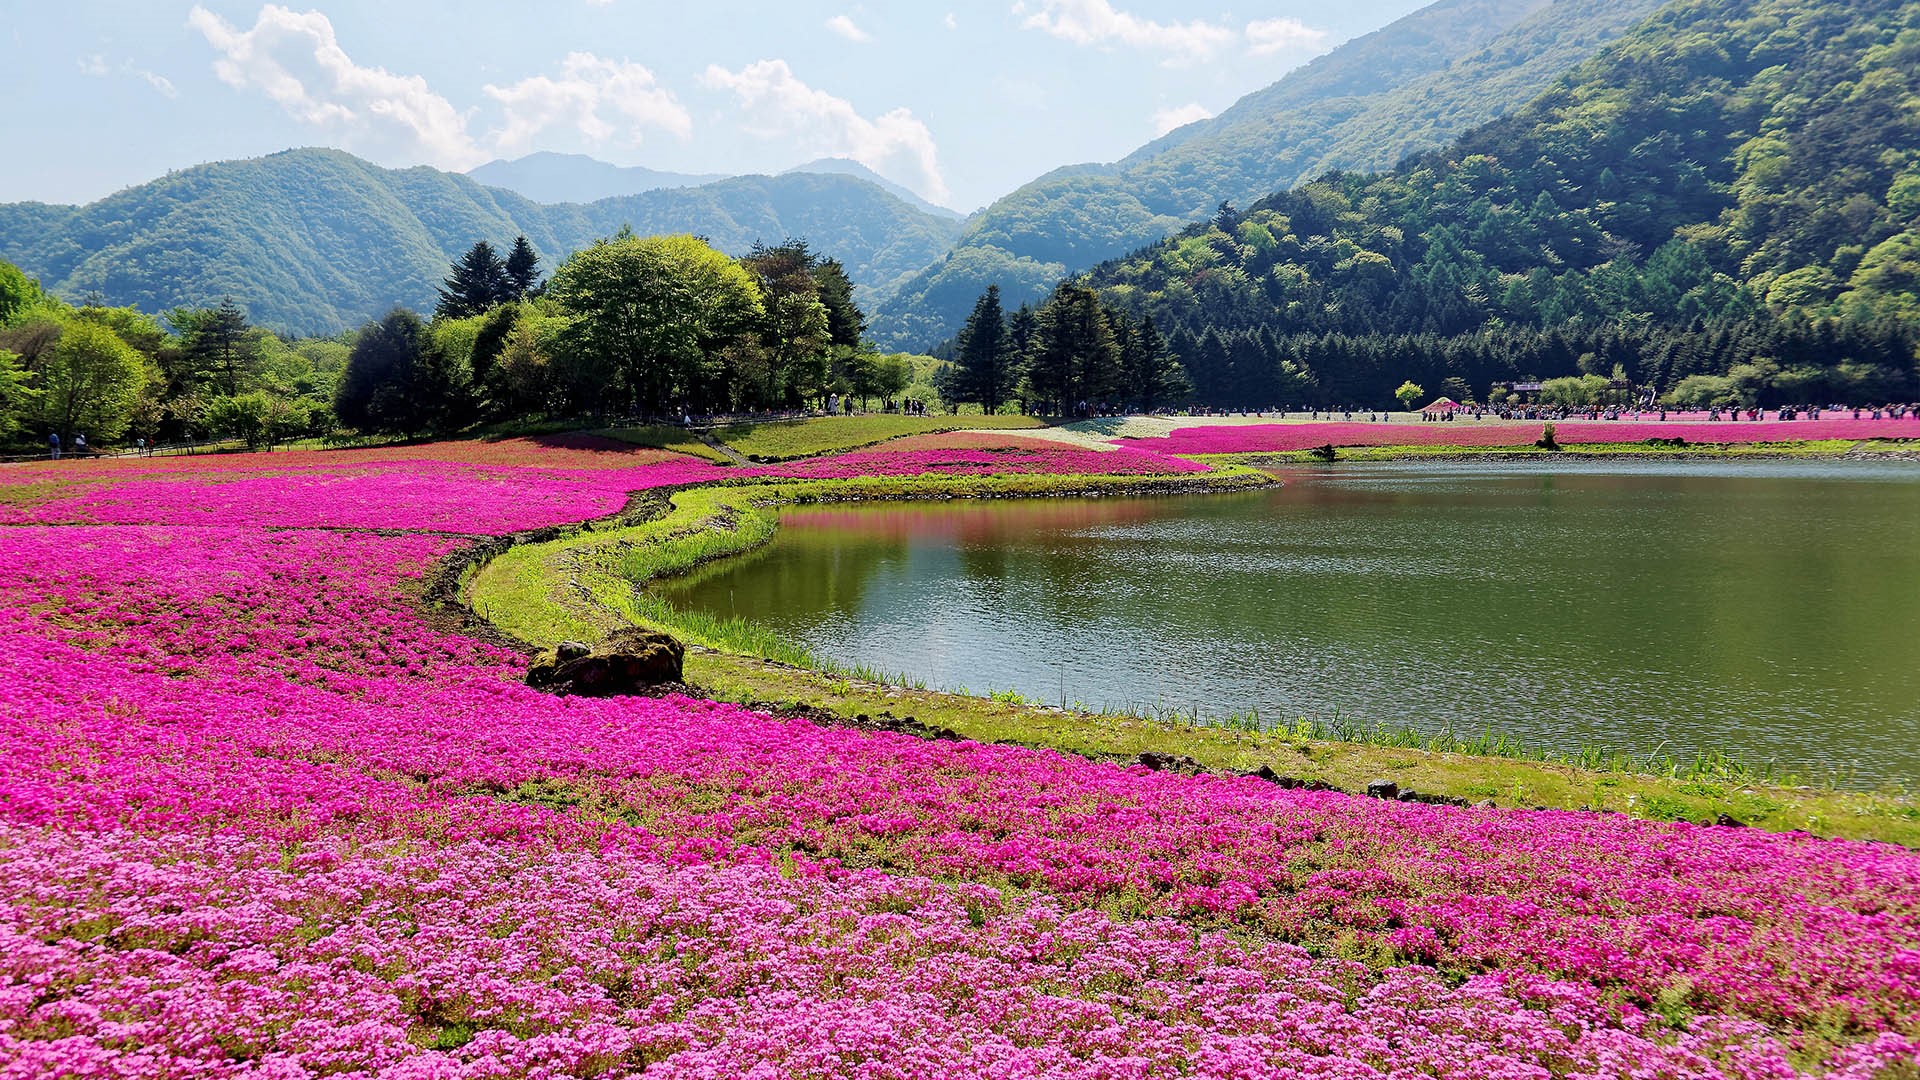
(731,454)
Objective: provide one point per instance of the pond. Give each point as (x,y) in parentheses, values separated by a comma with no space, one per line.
(1770,610)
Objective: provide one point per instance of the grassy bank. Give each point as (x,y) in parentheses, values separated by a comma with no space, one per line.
(791,440)
(584,584)
(1666,789)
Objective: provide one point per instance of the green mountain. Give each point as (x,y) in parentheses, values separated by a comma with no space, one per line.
(1413,85)
(312,241)
(1735,184)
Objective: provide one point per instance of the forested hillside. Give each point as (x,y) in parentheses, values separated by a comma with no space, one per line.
(1427,78)
(1731,192)
(313,241)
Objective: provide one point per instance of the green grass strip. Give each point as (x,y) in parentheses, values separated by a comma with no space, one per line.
(791,440)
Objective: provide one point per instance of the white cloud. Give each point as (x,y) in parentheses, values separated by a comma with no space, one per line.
(96,66)
(847,28)
(295,59)
(953,21)
(588,88)
(1165,120)
(895,143)
(1268,36)
(1096,22)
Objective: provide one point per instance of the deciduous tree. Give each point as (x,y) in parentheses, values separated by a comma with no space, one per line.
(652,316)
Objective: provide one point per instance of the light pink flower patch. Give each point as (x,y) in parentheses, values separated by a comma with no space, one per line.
(1274,438)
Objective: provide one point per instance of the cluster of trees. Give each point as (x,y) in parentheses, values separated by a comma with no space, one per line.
(114,374)
(1752,362)
(1633,196)
(1071,355)
(629,326)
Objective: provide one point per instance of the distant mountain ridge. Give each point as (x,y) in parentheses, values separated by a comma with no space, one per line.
(1413,85)
(314,241)
(839,166)
(576,178)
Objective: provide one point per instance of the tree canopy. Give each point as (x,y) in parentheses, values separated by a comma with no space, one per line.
(652,316)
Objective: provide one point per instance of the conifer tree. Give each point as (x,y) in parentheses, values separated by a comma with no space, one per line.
(985,355)
(220,344)
(1075,359)
(846,323)
(523,269)
(397,381)
(1156,377)
(478,282)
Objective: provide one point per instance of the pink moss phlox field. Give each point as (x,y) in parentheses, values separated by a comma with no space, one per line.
(430,494)
(1055,460)
(1276,438)
(258,816)
(169,954)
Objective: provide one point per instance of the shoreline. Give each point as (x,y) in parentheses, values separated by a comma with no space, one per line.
(579,582)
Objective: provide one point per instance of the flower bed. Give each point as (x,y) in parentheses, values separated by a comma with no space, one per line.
(1048,459)
(1273,438)
(257,815)
(431,494)
(471,961)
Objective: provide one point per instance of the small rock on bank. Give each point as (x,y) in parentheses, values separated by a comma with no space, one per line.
(628,663)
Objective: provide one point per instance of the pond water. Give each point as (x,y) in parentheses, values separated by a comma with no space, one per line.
(1769,609)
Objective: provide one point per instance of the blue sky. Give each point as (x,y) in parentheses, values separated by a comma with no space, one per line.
(961,101)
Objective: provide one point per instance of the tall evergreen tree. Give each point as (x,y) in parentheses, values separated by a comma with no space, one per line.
(1022,328)
(218,346)
(1074,358)
(395,381)
(846,323)
(985,355)
(523,269)
(1154,375)
(476,284)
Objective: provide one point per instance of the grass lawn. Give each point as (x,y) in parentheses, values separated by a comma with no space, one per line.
(664,437)
(789,440)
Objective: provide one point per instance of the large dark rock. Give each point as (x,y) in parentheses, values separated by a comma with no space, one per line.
(1179,763)
(628,663)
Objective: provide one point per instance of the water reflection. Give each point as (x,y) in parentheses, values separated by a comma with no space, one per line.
(1771,609)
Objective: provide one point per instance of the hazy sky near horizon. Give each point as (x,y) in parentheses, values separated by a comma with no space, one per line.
(961,101)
